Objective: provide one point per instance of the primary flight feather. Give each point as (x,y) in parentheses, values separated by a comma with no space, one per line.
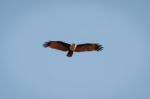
(59,45)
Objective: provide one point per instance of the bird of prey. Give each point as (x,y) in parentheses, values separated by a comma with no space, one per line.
(70,48)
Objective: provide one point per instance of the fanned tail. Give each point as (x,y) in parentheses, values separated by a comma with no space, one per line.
(70,53)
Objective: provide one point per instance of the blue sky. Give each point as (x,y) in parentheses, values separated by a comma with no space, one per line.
(120,71)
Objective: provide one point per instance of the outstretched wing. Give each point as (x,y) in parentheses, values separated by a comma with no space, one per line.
(59,45)
(88,47)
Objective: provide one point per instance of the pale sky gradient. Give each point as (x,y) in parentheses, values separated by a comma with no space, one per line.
(120,71)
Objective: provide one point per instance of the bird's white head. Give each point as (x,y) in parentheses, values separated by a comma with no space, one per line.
(73,46)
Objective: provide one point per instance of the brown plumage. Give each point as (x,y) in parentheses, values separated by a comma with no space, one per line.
(59,45)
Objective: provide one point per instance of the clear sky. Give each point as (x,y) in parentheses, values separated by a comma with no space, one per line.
(120,71)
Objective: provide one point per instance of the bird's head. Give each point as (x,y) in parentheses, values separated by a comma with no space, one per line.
(73,46)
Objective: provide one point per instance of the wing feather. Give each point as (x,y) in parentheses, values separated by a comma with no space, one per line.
(59,45)
(88,47)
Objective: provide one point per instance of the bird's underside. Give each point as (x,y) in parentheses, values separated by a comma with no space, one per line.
(70,48)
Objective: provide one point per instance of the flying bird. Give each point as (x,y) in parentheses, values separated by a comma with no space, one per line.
(70,48)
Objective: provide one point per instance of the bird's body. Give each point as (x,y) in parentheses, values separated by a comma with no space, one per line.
(71,49)
(59,45)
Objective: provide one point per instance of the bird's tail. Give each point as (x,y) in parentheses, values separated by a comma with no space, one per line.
(46,44)
(70,53)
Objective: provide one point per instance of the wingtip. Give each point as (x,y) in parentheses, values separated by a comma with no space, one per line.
(46,44)
(99,47)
